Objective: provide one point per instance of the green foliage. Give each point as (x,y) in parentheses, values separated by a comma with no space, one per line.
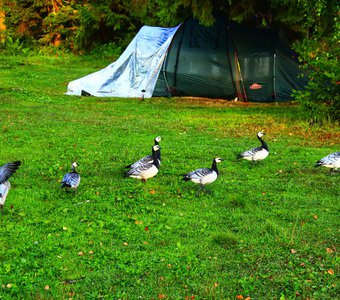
(76,25)
(320,53)
(59,28)
(102,23)
(267,230)
(108,51)
(12,46)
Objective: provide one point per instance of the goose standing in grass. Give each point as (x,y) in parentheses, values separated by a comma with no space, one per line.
(204,176)
(147,170)
(257,153)
(6,171)
(147,159)
(331,161)
(71,180)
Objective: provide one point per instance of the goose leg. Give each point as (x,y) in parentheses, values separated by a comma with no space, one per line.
(207,191)
(200,189)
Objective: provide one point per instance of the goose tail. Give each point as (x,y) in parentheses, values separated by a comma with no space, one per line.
(65,185)
(240,155)
(319,163)
(185,177)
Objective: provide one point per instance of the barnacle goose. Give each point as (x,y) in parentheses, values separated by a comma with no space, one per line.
(6,171)
(331,161)
(204,176)
(147,159)
(257,153)
(147,170)
(71,180)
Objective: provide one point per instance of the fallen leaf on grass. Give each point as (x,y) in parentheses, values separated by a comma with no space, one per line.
(125,244)
(330,271)
(293,251)
(329,250)
(161,296)
(46,287)
(315,217)
(152,192)
(81,253)
(239,297)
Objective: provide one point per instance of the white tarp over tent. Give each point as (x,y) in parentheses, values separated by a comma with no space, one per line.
(135,70)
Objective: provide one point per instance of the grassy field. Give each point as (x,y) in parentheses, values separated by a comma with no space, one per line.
(266,231)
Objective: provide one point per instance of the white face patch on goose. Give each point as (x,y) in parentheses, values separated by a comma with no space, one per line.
(158,139)
(261,134)
(218,159)
(156,148)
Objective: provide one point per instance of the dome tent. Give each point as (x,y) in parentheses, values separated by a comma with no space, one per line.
(226,60)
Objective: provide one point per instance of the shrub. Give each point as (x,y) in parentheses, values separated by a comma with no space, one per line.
(321,97)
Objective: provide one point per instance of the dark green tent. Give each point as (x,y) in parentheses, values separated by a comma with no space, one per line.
(229,60)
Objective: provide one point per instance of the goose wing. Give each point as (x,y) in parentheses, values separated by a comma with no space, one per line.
(331,159)
(140,169)
(198,174)
(250,153)
(71,180)
(7,170)
(143,161)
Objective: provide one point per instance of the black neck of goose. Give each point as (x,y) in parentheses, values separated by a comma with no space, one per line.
(263,143)
(155,158)
(214,166)
(74,169)
(156,142)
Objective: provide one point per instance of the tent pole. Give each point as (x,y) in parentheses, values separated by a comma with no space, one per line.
(274,76)
(238,88)
(241,78)
(238,69)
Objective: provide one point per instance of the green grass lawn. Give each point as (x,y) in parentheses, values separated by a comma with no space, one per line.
(266,231)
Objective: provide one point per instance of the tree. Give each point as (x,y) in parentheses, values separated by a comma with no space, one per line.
(71,24)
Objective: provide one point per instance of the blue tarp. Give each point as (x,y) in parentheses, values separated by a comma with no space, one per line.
(135,70)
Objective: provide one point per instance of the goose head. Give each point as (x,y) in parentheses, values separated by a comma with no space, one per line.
(75,164)
(218,159)
(155,148)
(261,134)
(157,139)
